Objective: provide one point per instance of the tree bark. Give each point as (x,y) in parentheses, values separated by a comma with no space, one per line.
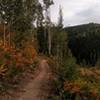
(4,35)
(49,40)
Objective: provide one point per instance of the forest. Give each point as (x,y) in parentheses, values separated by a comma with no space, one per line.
(30,43)
(84,42)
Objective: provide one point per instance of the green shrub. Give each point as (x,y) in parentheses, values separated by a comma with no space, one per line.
(68,69)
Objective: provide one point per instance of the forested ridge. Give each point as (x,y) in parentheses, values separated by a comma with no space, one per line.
(66,58)
(84,42)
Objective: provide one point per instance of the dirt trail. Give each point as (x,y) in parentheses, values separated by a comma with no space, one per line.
(37,89)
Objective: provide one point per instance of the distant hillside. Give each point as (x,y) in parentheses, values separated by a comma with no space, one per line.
(83,29)
(84,42)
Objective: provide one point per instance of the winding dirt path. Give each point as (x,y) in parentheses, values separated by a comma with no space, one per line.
(37,89)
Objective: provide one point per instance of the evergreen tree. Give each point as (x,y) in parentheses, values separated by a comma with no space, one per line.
(43,26)
(60,19)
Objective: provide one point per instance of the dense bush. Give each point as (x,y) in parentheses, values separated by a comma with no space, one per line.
(83,89)
(65,71)
(72,83)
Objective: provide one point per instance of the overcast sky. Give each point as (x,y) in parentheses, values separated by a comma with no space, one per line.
(77,11)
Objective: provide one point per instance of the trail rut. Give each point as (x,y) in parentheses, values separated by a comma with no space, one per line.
(37,89)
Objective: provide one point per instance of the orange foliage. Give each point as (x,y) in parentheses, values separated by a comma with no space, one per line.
(10,56)
(29,51)
(76,88)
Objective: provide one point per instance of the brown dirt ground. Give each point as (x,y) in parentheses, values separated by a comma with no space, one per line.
(33,87)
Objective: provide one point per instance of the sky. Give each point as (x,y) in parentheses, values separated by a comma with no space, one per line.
(76,12)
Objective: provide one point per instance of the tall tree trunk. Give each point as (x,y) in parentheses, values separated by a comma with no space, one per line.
(49,40)
(9,37)
(4,35)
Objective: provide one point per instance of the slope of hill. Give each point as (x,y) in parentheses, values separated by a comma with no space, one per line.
(85,28)
(84,42)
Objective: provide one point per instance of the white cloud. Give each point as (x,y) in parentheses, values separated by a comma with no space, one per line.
(77,11)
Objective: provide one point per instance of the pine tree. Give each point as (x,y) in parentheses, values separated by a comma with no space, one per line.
(60,19)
